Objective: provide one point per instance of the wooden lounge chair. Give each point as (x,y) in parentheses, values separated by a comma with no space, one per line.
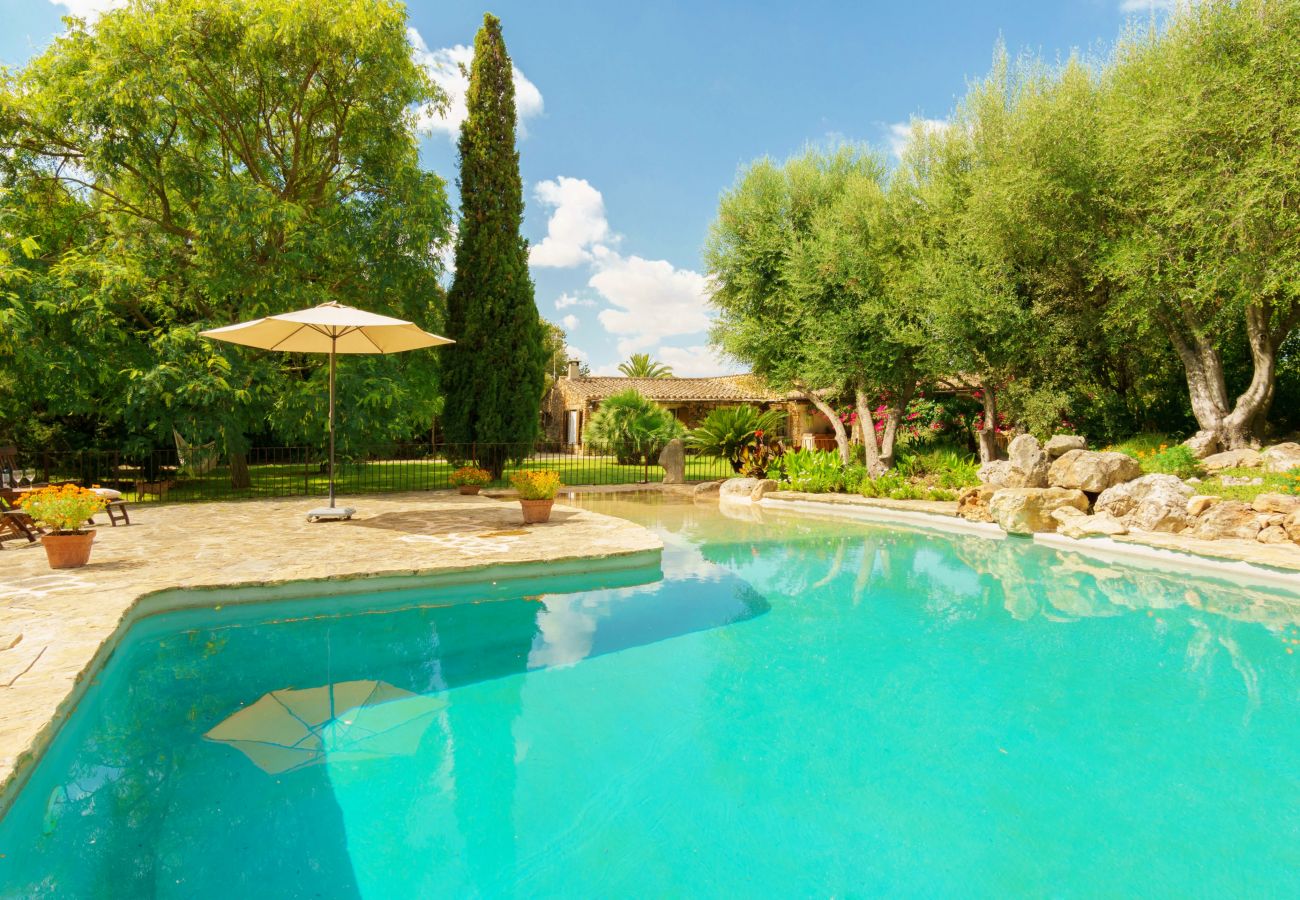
(14,524)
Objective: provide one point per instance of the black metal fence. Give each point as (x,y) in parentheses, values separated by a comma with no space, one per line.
(164,475)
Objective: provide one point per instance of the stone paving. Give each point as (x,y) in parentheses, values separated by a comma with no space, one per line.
(53,624)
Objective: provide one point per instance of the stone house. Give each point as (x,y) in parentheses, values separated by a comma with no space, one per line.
(571,401)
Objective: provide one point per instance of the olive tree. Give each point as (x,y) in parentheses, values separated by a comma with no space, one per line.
(1202,135)
(802,263)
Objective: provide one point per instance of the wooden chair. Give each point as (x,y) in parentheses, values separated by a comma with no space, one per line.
(14,524)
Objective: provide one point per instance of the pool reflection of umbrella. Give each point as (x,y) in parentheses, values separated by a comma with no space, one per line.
(348,721)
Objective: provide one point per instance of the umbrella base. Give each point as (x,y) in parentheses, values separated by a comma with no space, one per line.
(330,513)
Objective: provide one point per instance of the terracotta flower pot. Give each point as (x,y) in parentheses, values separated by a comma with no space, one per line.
(536,511)
(470,489)
(68,551)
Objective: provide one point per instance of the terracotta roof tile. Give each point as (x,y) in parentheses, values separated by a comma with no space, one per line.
(734,388)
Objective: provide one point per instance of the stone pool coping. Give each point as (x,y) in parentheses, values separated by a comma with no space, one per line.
(1277,565)
(57,628)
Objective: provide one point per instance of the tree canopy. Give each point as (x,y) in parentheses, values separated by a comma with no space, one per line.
(186,164)
(1104,245)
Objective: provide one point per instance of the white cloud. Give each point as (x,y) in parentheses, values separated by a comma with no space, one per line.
(647,300)
(576,226)
(650,299)
(566,300)
(899,133)
(699,361)
(444,67)
(576,353)
(88,9)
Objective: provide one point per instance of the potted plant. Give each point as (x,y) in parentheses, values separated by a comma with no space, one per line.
(64,509)
(470,480)
(536,493)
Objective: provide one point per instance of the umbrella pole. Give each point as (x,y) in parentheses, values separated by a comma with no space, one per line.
(333,357)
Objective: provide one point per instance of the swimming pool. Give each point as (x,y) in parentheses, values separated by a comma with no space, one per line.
(798,707)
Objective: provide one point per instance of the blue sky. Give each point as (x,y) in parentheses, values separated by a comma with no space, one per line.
(636,116)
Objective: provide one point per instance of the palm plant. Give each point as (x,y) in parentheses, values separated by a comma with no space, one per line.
(640,365)
(631,425)
(728,431)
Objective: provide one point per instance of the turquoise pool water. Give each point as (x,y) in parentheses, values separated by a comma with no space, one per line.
(798,708)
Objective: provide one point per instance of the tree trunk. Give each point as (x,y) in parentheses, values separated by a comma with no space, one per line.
(1206,388)
(1240,425)
(817,398)
(1244,426)
(880,451)
(988,433)
(875,466)
(239,477)
(893,417)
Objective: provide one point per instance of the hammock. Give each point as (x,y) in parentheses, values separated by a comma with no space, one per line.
(195,459)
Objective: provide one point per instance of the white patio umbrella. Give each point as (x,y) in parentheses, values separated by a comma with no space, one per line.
(329,328)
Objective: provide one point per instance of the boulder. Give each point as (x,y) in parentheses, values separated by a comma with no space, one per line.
(1275,503)
(737,489)
(1060,444)
(973,503)
(1200,503)
(1282,457)
(765,486)
(1292,526)
(1029,510)
(673,460)
(1202,444)
(708,489)
(1228,520)
(999,473)
(1273,534)
(1092,470)
(1233,459)
(1151,503)
(1240,481)
(1079,525)
(1028,457)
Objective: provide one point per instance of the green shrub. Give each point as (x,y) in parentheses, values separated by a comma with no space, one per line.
(1157,453)
(631,425)
(947,466)
(727,431)
(812,471)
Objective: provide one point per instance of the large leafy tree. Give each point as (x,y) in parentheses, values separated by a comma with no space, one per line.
(1203,132)
(810,283)
(1005,202)
(495,374)
(191,163)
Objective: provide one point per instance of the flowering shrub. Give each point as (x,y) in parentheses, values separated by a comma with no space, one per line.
(63,508)
(540,484)
(471,475)
(1167,460)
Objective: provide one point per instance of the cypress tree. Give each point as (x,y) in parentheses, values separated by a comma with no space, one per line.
(494,373)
